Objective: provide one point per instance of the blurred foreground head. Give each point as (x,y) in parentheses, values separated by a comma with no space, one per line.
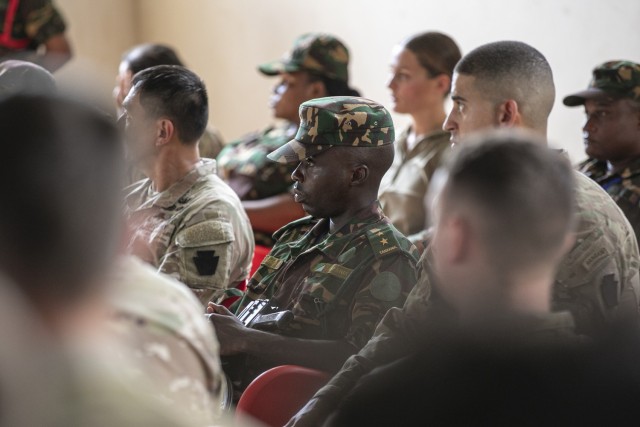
(60,189)
(503,213)
(21,77)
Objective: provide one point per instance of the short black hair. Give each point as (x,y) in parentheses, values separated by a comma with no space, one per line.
(513,70)
(176,93)
(149,55)
(521,193)
(61,192)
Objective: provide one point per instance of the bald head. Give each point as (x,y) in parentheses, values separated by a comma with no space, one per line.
(513,70)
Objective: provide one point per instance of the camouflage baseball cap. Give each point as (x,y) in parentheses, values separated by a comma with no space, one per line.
(620,79)
(322,54)
(337,121)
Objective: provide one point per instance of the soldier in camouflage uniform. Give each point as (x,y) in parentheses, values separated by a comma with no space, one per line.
(316,67)
(184,220)
(28,25)
(422,67)
(340,269)
(612,133)
(159,325)
(144,56)
(597,281)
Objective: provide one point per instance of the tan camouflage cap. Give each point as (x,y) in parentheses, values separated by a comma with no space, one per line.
(321,54)
(337,120)
(619,79)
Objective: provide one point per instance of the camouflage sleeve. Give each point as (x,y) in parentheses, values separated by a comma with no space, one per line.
(42,20)
(202,258)
(393,338)
(386,284)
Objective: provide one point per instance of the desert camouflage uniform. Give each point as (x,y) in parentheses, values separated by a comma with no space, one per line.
(598,283)
(35,22)
(623,187)
(404,187)
(173,346)
(209,147)
(195,231)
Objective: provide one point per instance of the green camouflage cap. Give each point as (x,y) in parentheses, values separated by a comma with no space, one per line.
(337,120)
(620,79)
(321,54)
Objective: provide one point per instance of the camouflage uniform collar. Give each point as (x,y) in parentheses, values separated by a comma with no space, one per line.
(333,244)
(631,170)
(437,137)
(171,195)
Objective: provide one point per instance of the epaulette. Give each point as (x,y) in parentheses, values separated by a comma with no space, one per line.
(307,220)
(383,240)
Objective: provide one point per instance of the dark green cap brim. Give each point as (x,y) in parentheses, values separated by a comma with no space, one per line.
(294,151)
(278,67)
(579,98)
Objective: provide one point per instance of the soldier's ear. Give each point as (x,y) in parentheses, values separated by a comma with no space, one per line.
(317,90)
(165,131)
(508,114)
(359,174)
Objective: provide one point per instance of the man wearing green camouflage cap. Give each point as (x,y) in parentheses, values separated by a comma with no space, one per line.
(612,133)
(317,66)
(341,268)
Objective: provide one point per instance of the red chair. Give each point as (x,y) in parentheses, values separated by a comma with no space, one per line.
(277,394)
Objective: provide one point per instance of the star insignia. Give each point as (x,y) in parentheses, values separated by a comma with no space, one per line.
(384,241)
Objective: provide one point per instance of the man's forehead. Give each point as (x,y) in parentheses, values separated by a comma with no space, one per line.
(130,100)
(463,82)
(604,101)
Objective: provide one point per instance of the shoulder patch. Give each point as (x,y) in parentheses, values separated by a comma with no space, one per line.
(386,287)
(206,233)
(383,241)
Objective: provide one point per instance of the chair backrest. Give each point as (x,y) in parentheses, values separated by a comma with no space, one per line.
(277,394)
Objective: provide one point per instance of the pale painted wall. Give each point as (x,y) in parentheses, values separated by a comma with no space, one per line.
(223,40)
(99,30)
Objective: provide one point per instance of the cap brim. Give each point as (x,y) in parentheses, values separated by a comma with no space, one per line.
(277,67)
(578,98)
(294,151)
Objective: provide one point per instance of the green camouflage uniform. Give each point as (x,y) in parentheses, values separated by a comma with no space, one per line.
(243,163)
(338,285)
(195,231)
(623,187)
(616,79)
(247,158)
(35,20)
(598,282)
(404,187)
(162,329)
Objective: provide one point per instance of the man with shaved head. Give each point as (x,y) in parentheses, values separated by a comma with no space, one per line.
(510,84)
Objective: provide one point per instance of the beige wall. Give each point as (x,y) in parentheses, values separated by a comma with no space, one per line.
(99,30)
(223,40)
